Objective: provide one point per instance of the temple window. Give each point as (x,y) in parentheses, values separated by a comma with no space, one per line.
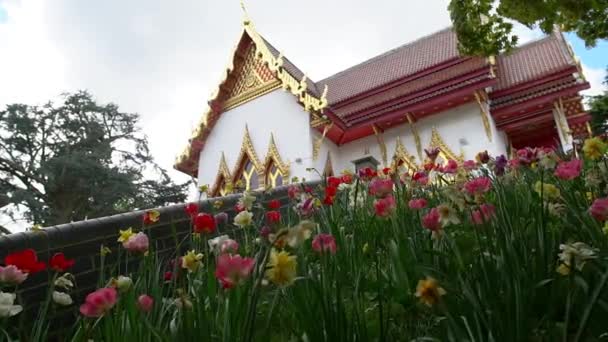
(274,177)
(366,162)
(249,177)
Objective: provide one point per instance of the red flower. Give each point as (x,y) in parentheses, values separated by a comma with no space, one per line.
(293,191)
(204,223)
(333,182)
(420,177)
(347,178)
(274,204)
(151,216)
(59,263)
(478,186)
(238,208)
(386,170)
(431,221)
(385,206)
(367,173)
(324,243)
(26,261)
(331,191)
(273,217)
(191,209)
(599,209)
(168,276)
(328,200)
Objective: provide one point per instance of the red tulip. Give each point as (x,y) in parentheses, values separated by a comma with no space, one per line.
(274,204)
(59,263)
(191,209)
(204,223)
(26,261)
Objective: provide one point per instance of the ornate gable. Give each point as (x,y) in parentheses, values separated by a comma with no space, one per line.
(444,151)
(402,156)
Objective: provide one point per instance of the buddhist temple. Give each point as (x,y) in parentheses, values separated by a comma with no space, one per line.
(267,122)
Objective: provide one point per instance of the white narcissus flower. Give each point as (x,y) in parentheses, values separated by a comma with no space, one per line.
(247,200)
(300,233)
(447,215)
(578,253)
(64,281)
(123,283)
(62,298)
(7,309)
(216,243)
(244,218)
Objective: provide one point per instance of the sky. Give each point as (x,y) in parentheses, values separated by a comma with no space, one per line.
(162,59)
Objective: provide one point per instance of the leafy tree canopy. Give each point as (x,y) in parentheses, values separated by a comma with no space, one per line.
(78,159)
(484,29)
(599,112)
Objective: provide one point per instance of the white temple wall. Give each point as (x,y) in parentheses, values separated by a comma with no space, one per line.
(278,113)
(461,129)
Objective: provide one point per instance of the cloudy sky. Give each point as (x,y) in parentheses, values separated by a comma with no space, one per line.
(163,58)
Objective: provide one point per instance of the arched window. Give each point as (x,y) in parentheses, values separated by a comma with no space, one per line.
(249,178)
(274,177)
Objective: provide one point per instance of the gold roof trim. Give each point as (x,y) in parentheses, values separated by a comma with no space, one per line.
(248,151)
(328,169)
(273,156)
(437,141)
(223,173)
(402,154)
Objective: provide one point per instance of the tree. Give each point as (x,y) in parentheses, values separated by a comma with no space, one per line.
(599,111)
(485,30)
(78,159)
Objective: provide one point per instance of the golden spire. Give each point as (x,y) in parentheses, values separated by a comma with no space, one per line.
(246,20)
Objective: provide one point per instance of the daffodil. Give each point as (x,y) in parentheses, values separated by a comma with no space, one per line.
(300,233)
(447,215)
(549,191)
(594,148)
(192,261)
(125,234)
(429,292)
(281,268)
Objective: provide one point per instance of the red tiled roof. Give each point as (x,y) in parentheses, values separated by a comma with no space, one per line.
(533,61)
(393,65)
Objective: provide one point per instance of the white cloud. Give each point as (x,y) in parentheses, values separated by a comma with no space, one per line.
(595,77)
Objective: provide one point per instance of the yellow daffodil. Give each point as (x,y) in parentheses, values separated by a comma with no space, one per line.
(192,261)
(203,188)
(563,269)
(217,204)
(549,191)
(594,148)
(103,250)
(281,268)
(125,234)
(429,292)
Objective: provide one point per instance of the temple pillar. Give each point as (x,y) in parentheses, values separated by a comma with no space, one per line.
(561,123)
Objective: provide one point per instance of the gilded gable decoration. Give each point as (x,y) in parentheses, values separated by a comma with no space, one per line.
(316,146)
(415,134)
(403,157)
(481,99)
(381,145)
(444,151)
(273,156)
(328,169)
(248,152)
(223,179)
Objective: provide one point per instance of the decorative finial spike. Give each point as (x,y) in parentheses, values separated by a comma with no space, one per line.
(246,20)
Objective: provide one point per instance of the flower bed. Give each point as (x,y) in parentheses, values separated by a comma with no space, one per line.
(492,249)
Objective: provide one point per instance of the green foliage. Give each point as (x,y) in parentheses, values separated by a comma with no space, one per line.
(483,28)
(78,159)
(599,112)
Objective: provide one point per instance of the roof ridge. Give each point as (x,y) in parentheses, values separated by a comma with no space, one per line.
(384,54)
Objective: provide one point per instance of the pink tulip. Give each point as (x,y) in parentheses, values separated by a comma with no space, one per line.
(569,170)
(599,209)
(420,177)
(431,220)
(324,243)
(11,275)
(417,203)
(145,303)
(233,269)
(385,206)
(469,165)
(478,186)
(380,187)
(451,167)
(229,246)
(137,243)
(484,214)
(99,302)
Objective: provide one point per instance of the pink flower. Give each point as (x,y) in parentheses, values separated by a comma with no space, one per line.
(293,191)
(99,302)
(11,275)
(233,269)
(599,209)
(417,203)
(220,218)
(324,243)
(380,187)
(229,246)
(527,155)
(145,303)
(484,214)
(385,206)
(469,165)
(421,177)
(273,217)
(306,207)
(569,170)
(137,243)
(451,167)
(478,186)
(431,221)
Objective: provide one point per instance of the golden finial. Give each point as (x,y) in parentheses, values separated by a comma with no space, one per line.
(246,20)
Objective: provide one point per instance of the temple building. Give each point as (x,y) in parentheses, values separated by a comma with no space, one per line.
(268,122)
